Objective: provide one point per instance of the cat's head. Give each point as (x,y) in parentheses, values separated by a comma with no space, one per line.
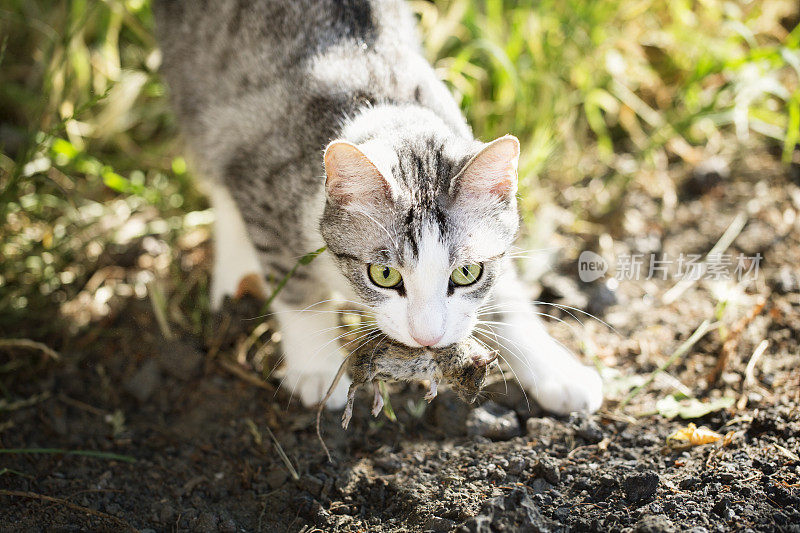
(418,224)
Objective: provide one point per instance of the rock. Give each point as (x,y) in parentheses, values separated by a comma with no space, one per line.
(654,524)
(723,509)
(785,281)
(640,487)
(438,525)
(312,484)
(541,429)
(179,359)
(206,523)
(276,478)
(547,468)
(601,297)
(515,511)
(586,427)
(227,525)
(146,380)
(493,421)
(689,482)
(707,175)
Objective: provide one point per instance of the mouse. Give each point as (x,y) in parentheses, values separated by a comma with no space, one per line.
(463,365)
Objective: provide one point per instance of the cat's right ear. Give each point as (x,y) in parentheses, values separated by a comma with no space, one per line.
(352,179)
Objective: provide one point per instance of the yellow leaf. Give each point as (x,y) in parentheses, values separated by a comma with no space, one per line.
(695,435)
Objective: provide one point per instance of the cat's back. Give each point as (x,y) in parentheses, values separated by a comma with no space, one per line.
(216,52)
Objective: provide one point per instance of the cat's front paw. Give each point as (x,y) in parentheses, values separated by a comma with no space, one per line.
(311,387)
(578,388)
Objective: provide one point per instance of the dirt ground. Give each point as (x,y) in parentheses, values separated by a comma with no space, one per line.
(194,417)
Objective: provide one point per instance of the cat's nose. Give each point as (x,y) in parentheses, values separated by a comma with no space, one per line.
(428,340)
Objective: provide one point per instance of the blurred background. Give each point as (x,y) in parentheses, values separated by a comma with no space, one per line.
(97,206)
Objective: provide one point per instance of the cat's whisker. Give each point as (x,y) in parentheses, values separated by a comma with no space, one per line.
(510,367)
(297,381)
(571,327)
(566,308)
(502,374)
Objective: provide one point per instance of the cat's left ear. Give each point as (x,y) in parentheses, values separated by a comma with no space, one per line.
(491,174)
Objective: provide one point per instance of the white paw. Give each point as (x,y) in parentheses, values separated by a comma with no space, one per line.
(574,388)
(311,387)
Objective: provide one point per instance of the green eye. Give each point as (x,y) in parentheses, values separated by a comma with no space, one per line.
(384,276)
(466,275)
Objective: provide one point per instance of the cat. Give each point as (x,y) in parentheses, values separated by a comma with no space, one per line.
(319,123)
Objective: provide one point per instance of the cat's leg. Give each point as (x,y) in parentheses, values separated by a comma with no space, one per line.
(234,255)
(556,379)
(312,349)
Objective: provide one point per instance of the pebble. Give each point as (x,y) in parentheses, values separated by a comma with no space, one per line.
(438,525)
(541,429)
(654,524)
(547,468)
(276,478)
(707,175)
(493,421)
(586,427)
(179,359)
(144,382)
(640,487)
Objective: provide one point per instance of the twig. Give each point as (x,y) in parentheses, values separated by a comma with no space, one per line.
(81,405)
(723,243)
(244,375)
(732,342)
(244,346)
(33,345)
(159,309)
(75,506)
(284,457)
(19,404)
(58,451)
(701,330)
(749,373)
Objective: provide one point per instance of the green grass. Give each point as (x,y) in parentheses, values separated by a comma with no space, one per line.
(604,96)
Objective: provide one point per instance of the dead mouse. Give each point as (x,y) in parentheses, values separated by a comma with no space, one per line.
(463,366)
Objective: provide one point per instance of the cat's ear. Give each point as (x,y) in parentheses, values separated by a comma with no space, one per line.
(352,179)
(491,174)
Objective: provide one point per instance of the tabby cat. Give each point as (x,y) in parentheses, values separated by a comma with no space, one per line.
(319,123)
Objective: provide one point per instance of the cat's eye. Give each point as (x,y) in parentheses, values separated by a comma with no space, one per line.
(466,275)
(384,276)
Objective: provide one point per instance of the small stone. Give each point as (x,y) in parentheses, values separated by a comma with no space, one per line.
(586,427)
(547,468)
(707,175)
(601,297)
(227,526)
(179,359)
(689,482)
(541,429)
(640,487)
(722,508)
(146,380)
(493,421)
(276,478)
(312,484)
(785,281)
(206,523)
(654,524)
(438,525)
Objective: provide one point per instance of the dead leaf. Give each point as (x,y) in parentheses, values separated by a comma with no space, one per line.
(695,436)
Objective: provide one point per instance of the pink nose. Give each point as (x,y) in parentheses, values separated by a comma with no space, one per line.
(428,341)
